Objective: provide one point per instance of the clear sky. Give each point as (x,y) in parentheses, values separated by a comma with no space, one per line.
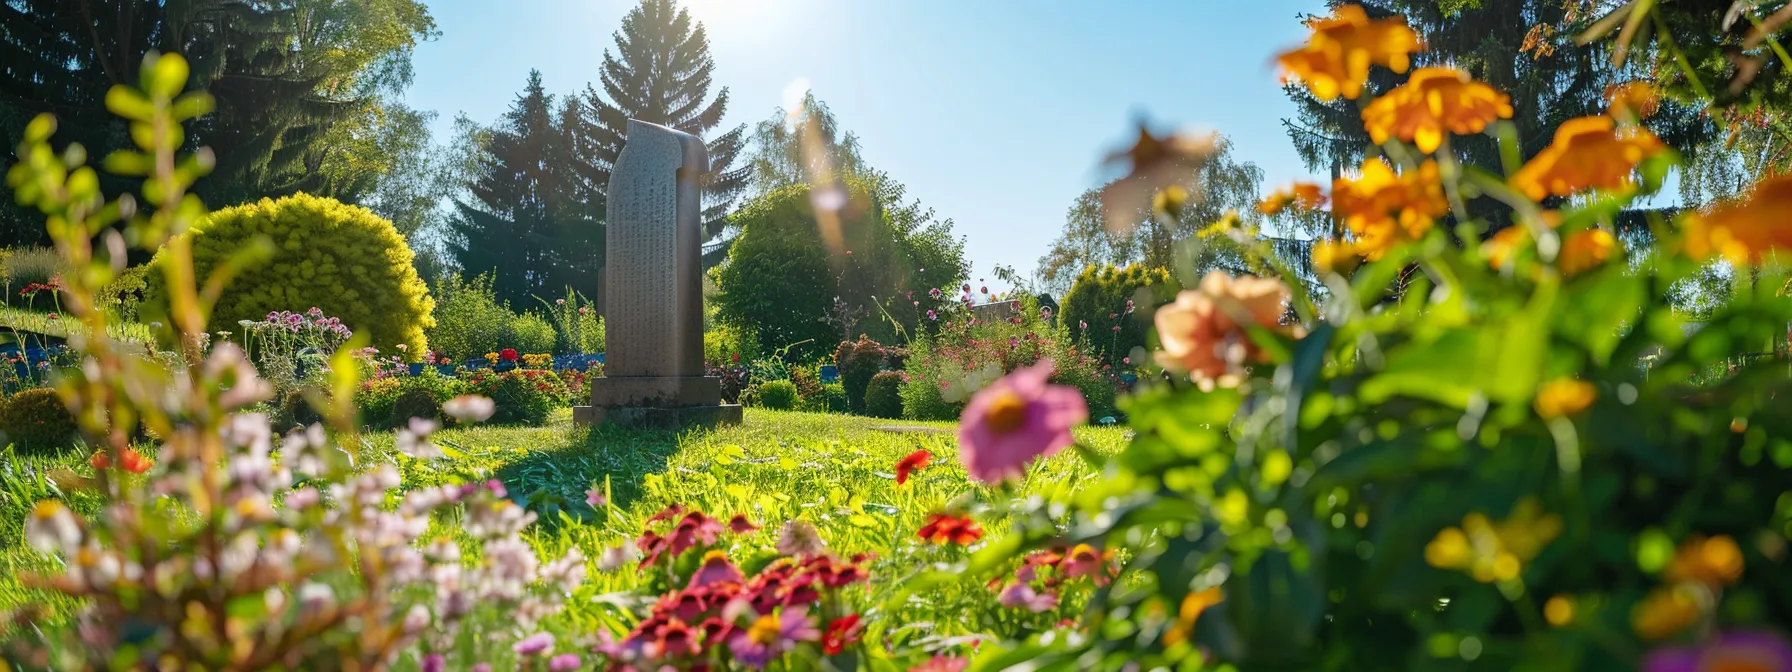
(995,113)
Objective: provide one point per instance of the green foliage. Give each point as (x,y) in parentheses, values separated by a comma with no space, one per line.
(945,368)
(577,327)
(883,396)
(827,398)
(858,362)
(728,346)
(124,293)
(35,420)
(292,409)
(782,277)
(1107,297)
(522,396)
(469,319)
(784,148)
(778,395)
(530,334)
(318,252)
(24,266)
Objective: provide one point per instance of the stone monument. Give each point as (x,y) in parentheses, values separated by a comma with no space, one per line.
(653,291)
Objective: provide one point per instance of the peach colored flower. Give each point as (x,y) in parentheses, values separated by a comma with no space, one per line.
(1201,331)
(1743,232)
(1432,101)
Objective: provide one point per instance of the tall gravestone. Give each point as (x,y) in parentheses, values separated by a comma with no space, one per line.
(653,288)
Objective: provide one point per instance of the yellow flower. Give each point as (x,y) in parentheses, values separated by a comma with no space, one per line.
(1490,551)
(1336,58)
(1588,153)
(1564,397)
(1432,101)
(1585,250)
(1383,209)
(1632,101)
(1744,232)
(1714,561)
(1559,610)
(1665,612)
(1335,257)
(1303,195)
(1192,607)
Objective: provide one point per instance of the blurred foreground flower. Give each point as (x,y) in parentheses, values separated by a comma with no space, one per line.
(1016,419)
(1588,153)
(1337,57)
(1154,165)
(1741,651)
(945,528)
(1203,331)
(1491,551)
(469,408)
(1564,397)
(1433,101)
(1746,232)
(1384,209)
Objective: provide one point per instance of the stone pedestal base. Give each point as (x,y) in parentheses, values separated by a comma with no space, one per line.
(639,416)
(656,401)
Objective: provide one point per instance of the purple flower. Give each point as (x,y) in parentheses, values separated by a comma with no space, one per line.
(564,662)
(482,667)
(434,663)
(1739,650)
(933,315)
(770,636)
(1016,419)
(1019,595)
(535,644)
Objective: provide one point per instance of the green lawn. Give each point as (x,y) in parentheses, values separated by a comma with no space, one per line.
(17,324)
(832,470)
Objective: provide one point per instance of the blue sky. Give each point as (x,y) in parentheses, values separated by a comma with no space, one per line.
(995,113)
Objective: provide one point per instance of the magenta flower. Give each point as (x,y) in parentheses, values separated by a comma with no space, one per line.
(933,315)
(565,662)
(535,644)
(595,498)
(434,663)
(1740,650)
(935,292)
(1016,419)
(1019,595)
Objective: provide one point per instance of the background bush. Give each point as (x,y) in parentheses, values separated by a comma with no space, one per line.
(728,346)
(341,258)
(469,319)
(883,396)
(1103,291)
(124,294)
(27,265)
(524,396)
(944,368)
(530,335)
(858,362)
(829,398)
(778,395)
(577,328)
(36,420)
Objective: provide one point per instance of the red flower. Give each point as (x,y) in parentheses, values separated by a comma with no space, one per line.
(130,460)
(674,639)
(841,633)
(915,461)
(507,354)
(652,547)
(667,513)
(695,528)
(944,528)
(740,525)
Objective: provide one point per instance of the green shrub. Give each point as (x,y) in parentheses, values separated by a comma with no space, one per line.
(415,402)
(778,395)
(376,398)
(529,334)
(36,420)
(858,362)
(341,258)
(946,367)
(829,398)
(469,319)
(23,266)
(122,296)
(577,327)
(883,396)
(1098,303)
(522,396)
(727,346)
(293,410)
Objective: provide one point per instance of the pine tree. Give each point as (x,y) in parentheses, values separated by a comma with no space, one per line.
(660,73)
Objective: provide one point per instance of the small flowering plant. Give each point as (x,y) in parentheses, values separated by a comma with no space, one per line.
(1451,454)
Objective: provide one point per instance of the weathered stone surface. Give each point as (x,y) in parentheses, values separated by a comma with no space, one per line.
(653,288)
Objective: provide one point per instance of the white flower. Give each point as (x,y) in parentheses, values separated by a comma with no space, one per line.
(414,440)
(470,408)
(614,558)
(52,528)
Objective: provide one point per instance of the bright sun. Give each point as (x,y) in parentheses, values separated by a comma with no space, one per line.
(723,12)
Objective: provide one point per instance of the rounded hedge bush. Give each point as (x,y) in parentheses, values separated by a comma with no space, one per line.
(530,335)
(35,420)
(858,362)
(1096,314)
(341,258)
(829,398)
(521,396)
(415,402)
(778,395)
(295,411)
(883,395)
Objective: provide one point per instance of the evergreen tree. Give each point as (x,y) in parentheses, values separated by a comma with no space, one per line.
(298,85)
(660,73)
(1524,48)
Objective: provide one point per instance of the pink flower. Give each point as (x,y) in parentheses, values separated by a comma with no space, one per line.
(535,644)
(1016,419)
(595,498)
(770,636)
(941,664)
(715,569)
(1742,650)
(1020,595)
(565,662)
(935,292)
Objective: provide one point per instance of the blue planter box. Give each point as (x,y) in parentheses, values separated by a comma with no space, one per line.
(830,373)
(417,369)
(445,369)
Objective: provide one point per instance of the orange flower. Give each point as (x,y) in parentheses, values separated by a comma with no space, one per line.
(1714,561)
(1192,607)
(1383,208)
(944,528)
(1432,101)
(1665,612)
(1636,99)
(1303,195)
(1584,250)
(1588,153)
(1200,331)
(1743,232)
(130,460)
(1564,397)
(1503,246)
(1336,58)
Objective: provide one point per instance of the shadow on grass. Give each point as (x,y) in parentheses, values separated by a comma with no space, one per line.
(553,479)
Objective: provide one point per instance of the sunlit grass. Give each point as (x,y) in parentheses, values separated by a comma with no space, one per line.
(23,325)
